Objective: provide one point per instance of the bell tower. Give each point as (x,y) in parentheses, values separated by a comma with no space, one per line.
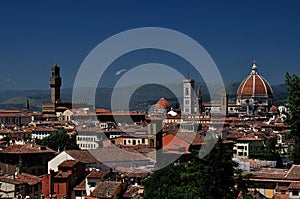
(55,83)
(188,96)
(198,102)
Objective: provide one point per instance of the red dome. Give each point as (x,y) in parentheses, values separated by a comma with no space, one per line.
(254,84)
(162,104)
(273,109)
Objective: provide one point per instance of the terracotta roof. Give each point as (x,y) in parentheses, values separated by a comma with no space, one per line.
(140,148)
(281,188)
(68,163)
(106,189)
(280,196)
(171,141)
(251,139)
(162,104)
(62,175)
(44,128)
(15,181)
(29,179)
(25,149)
(83,156)
(254,84)
(132,191)
(295,185)
(294,173)
(137,174)
(81,186)
(273,109)
(102,110)
(10,111)
(270,173)
(97,174)
(115,154)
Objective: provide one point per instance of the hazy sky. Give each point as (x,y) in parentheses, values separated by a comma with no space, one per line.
(36,34)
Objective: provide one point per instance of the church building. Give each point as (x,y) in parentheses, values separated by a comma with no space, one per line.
(254,94)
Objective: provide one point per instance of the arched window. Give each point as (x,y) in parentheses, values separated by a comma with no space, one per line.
(186,91)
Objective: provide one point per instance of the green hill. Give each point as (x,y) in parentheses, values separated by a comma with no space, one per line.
(141,99)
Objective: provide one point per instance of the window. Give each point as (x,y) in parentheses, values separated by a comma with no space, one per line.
(295,193)
(186,91)
(151,142)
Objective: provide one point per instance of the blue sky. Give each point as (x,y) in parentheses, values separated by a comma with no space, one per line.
(36,34)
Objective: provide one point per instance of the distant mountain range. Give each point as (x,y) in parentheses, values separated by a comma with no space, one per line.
(142,98)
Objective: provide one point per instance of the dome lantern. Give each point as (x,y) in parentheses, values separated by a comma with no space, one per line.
(254,91)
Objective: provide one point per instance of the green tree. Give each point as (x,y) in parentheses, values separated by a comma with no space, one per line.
(270,152)
(59,140)
(210,177)
(293,83)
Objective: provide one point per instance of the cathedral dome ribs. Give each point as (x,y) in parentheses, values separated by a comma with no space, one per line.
(254,91)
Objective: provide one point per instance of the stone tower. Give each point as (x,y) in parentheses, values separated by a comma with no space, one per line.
(198,102)
(224,104)
(188,96)
(26,105)
(55,83)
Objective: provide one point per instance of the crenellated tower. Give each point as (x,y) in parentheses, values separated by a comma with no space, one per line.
(55,84)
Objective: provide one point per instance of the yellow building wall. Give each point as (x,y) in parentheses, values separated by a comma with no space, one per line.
(269,193)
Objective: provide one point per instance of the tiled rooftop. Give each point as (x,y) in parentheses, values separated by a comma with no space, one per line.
(29,179)
(280,196)
(295,185)
(81,186)
(83,156)
(62,175)
(115,154)
(106,189)
(68,163)
(11,180)
(294,173)
(99,174)
(270,173)
(23,178)
(25,149)
(132,192)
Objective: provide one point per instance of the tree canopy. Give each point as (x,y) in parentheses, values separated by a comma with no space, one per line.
(210,177)
(293,83)
(59,140)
